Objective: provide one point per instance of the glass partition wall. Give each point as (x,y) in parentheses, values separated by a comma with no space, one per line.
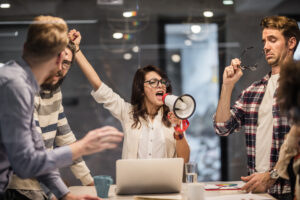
(192,63)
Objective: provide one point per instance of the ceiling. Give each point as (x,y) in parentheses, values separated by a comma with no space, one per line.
(108,17)
(97,9)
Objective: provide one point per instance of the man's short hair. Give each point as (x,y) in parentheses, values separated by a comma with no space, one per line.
(287,26)
(46,37)
(288,95)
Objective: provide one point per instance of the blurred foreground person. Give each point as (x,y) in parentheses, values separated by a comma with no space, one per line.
(53,125)
(22,149)
(288,164)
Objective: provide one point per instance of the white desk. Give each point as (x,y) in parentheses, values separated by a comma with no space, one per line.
(80,190)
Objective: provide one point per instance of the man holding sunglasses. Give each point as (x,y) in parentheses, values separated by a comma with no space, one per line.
(22,149)
(257,109)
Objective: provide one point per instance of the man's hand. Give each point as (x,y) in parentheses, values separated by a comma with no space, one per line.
(232,73)
(75,37)
(96,140)
(258,182)
(70,196)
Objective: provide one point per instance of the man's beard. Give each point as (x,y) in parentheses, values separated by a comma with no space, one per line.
(50,87)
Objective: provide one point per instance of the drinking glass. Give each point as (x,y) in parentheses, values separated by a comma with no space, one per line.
(191,172)
(102,184)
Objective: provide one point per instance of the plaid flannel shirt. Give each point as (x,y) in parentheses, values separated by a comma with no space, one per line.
(245,114)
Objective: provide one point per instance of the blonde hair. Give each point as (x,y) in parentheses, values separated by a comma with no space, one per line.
(46,37)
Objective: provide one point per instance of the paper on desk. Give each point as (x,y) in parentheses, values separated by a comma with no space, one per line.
(248,196)
(224,186)
(159,197)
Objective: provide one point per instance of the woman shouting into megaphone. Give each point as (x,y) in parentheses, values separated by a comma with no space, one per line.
(146,121)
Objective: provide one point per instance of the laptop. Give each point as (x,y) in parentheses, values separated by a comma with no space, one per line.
(149,176)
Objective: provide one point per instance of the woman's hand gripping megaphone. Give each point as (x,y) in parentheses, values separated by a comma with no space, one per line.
(180,126)
(173,119)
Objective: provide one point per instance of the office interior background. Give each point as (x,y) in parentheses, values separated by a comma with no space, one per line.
(191,40)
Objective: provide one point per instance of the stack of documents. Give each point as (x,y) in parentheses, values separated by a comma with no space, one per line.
(248,196)
(224,186)
(159,197)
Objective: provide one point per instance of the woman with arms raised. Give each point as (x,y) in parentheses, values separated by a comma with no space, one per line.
(146,121)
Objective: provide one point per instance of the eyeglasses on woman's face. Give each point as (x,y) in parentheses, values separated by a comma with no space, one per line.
(154,83)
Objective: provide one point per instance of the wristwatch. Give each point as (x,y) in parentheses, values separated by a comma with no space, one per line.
(274,174)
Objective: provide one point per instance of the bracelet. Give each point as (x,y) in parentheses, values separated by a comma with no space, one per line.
(178,137)
(77,50)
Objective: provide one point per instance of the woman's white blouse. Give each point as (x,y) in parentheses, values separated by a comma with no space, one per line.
(150,140)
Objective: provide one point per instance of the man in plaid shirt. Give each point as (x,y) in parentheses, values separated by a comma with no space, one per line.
(257,110)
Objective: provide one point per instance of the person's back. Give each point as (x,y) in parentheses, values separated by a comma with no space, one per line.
(11,75)
(22,149)
(5,77)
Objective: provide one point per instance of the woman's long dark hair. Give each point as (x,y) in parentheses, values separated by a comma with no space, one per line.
(138,94)
(288,93)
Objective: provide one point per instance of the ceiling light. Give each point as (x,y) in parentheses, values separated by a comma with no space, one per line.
(188,42)
(196,28)
(176,58)
(110,2)
(129,14)
(127,56)
(9,34)
(208,13)
(117,35)
(4,5)
(228,2)
(136,49)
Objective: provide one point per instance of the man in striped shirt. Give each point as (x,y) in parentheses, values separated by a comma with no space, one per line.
(52,123)
(257,110)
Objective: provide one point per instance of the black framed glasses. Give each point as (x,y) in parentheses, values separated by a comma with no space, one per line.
(155,82)
(66,64)
(249,67)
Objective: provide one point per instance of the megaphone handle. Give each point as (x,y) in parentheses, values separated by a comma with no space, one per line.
(183,126)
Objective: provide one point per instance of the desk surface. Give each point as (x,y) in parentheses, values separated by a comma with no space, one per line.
(80,190)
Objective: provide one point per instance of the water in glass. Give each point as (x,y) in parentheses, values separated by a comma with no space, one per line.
(191,177)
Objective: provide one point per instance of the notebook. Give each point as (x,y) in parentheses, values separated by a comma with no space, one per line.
(149,176)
